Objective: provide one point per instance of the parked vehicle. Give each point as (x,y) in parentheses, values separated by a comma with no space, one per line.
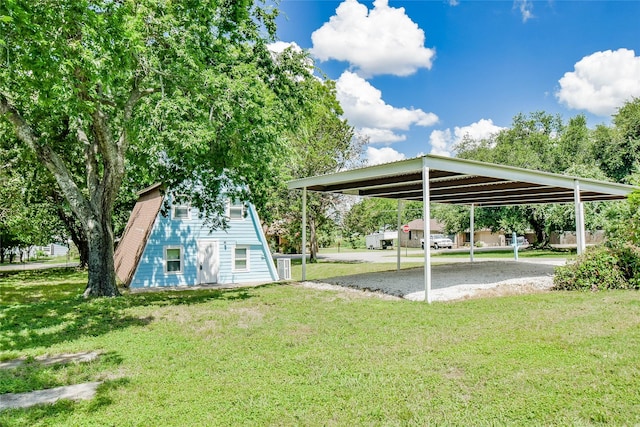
(521,241)
(381,240)
(437,241)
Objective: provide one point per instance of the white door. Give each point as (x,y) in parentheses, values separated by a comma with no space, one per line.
(208,261)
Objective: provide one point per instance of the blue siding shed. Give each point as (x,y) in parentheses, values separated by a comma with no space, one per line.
(179,249)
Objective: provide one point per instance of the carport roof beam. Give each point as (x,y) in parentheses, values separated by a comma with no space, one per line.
(460,181)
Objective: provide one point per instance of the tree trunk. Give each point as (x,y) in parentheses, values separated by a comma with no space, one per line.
(102,277)
(313,241)
(542,237)
(83,251)
(78,236)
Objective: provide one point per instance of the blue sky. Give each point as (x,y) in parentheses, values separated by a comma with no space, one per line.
(416,76)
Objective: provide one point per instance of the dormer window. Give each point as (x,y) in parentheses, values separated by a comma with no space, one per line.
(181,210)
(235,211)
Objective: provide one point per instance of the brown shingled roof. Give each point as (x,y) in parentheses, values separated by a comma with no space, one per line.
(418,224)
(136,233)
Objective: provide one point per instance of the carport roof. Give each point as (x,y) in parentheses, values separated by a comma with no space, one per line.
(462,182)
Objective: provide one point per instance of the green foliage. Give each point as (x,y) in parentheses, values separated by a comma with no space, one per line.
(543,142)
(372,215)
(600,268)
(455,218)
(356,241)
(617,149)
(537,142)
(185,93)
(623,218)
(321,143)
(629,262)
(596,269)
(25,218)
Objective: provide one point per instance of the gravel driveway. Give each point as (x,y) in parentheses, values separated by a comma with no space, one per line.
(456,280)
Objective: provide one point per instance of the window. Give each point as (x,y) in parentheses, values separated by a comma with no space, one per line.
(235,211)
(241,259)
(173,259)
(181,210)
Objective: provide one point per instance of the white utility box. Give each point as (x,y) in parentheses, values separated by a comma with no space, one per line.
(284,268)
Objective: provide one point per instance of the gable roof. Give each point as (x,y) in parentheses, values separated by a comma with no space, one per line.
(136,233)
(418,225)
(462,182)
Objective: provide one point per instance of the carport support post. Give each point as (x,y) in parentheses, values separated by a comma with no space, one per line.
(580,237)
(399,249)
(472,227)
(304,234)
(426,217)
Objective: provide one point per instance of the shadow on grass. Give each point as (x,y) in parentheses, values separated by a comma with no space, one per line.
(40,310)
(29,286)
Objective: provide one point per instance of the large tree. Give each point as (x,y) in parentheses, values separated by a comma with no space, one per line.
(322,143)
(536,141)
(617,148)
(92,86)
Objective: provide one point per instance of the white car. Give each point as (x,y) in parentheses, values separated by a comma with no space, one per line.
(437,241)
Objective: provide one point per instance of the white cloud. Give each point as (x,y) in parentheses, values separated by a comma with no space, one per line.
(365,109)
(601,82)
(526,9)
(381,41)
(384,136)
(443,141)
(376,156)
(280,46)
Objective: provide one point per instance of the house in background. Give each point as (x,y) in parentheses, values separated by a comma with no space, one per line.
(416,233)
(569,238)
(179,249)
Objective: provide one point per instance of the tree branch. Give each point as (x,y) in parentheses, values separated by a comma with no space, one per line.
(135,96)
(90,160)
(47,157)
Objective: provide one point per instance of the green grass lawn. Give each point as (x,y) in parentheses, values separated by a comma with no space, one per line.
(322,269)
(287,355)
(60,259)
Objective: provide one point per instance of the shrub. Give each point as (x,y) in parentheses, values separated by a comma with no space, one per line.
(628,256)
(596,269)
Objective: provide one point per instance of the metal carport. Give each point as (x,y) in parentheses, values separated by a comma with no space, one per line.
(439,179)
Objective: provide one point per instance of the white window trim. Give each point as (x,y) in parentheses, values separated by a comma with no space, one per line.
(228,211)
(248,258)
(175,205)
(166,260)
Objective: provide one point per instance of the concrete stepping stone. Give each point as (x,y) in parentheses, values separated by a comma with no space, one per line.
(84,391)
